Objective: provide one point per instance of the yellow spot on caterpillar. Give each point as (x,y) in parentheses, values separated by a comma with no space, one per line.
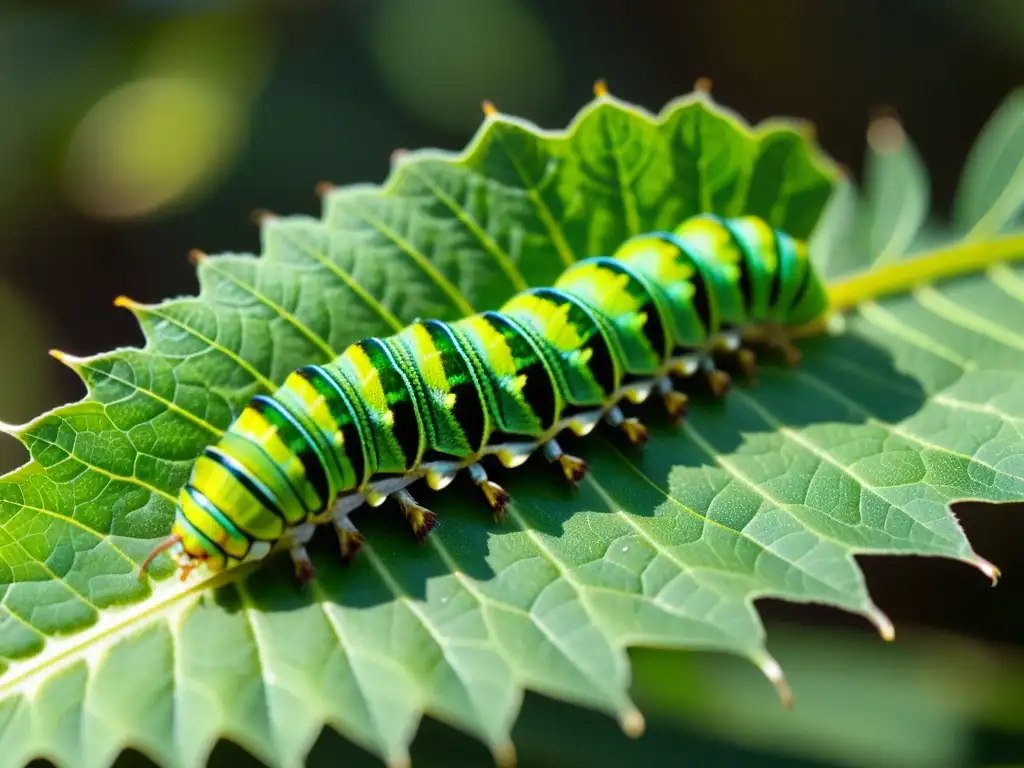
(518,383)
(600,89)
(449,400)
(389,417)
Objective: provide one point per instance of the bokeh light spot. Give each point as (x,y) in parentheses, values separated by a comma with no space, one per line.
(151,143)
(442,58)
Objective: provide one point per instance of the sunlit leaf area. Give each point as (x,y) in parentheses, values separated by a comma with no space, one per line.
(821,569)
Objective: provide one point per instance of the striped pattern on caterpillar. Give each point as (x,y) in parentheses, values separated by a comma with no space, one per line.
(437,397)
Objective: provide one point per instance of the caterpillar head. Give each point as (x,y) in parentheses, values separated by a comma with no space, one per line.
(187,547)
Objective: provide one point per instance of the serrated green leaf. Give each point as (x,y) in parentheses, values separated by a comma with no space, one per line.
(770,493)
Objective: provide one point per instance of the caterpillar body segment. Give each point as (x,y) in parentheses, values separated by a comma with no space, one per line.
(437,398)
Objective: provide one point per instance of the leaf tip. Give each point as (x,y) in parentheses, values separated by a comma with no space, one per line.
(807,130)
(488,108)
(988,569)
(197,257)
(262,215)
(632,723)
(600,88)
(882,623)
(125,303)
(771,669)
(702,85)
(505,755)
(885,132)
(63,357)
(323,189)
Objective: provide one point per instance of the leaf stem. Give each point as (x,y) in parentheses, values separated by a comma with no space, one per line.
(958,259)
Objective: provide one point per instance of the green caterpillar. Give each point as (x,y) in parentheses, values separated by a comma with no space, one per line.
(437,397)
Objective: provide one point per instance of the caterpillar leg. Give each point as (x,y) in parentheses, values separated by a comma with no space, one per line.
(747,362)
(719,381)
(676,403)
(420,519)
(632,427)
(298,537)
(790,352)
(496,496)
(349,538)
(573,468)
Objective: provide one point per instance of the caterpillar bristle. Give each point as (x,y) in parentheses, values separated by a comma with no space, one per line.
(353,450)
(600,89)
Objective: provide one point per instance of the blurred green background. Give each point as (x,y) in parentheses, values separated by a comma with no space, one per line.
(134,131)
